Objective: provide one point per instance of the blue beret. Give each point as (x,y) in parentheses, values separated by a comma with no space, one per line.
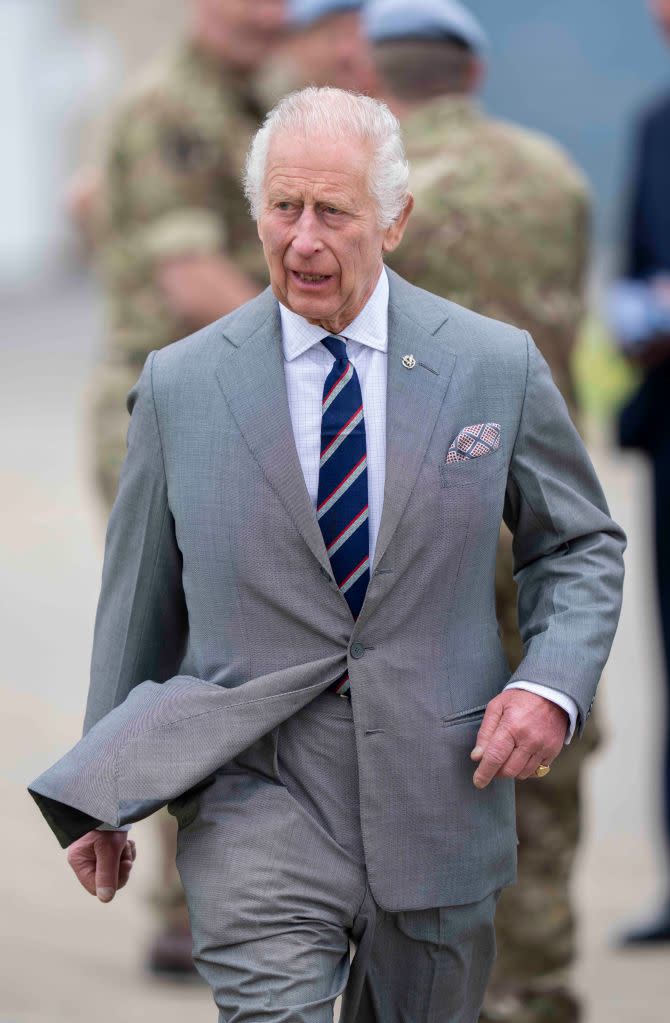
(302,13)
(423,19)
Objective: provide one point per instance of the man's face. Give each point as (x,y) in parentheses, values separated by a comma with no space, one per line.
(661,11)
(319,228)
(334,51)
(241,32)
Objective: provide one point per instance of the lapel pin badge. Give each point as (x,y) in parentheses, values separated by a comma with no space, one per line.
(408,361)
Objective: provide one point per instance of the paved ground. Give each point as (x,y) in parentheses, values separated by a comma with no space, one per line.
(64,955)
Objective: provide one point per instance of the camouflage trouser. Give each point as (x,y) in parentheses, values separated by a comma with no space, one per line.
(535,924)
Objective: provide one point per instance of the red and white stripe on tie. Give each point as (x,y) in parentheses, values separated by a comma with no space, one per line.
(342,500)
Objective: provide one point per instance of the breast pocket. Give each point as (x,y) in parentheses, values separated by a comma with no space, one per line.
(472,470)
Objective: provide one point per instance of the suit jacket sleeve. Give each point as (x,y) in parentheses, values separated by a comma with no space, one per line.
(141,624)
(568,552)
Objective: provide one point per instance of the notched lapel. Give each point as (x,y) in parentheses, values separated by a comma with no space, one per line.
(413,401)
(252,380)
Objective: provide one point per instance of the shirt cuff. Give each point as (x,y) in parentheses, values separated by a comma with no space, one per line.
(561,699)
(112,827)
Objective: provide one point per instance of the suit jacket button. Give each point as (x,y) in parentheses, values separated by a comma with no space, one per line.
(357,650)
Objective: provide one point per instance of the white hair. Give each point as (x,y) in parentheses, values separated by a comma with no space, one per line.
(337,113)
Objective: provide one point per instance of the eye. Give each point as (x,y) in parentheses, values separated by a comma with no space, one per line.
(283,205)
(331,210)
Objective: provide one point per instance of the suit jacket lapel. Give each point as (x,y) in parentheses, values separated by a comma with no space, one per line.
(251,376)
(252,379)
(414,398)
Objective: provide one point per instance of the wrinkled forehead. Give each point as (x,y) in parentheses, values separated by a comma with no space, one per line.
(319,165)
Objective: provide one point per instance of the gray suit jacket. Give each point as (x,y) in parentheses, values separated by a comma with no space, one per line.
(219,616)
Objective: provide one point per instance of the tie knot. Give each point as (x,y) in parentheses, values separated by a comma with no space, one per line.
(336,346)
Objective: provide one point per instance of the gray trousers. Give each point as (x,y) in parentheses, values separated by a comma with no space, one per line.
(272,862)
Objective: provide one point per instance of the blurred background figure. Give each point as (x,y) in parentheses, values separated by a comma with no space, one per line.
(82,200)
(325,45)
(500,225)
(172,210)
(640,316)
(176,249)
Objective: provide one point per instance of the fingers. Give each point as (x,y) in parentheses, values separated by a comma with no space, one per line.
(109,848)
(520,764)
(490,722)
(533,763)
(81,857)
(126,864)
(516,763)
(495,754)
(102,861)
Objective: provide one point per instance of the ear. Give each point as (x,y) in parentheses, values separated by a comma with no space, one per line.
(394,233)
(476,75)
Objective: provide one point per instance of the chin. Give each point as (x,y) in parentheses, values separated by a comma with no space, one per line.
(311,308)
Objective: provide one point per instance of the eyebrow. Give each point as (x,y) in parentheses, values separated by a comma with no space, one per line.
(335,198)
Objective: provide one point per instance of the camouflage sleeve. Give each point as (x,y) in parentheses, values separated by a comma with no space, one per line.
(158,201)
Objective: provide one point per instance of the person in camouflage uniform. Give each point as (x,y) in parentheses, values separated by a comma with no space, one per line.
(325,45)
(176,248)
(483,190)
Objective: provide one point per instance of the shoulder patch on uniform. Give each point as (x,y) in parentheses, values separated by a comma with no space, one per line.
(185,151)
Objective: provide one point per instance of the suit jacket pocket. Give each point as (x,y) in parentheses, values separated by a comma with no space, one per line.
(471,470)
(465,717)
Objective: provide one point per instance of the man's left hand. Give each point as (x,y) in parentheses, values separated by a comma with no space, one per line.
(520,731)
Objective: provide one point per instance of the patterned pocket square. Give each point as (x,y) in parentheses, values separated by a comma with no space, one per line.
(473,441)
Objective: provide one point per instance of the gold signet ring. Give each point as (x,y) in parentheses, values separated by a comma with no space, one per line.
(542,770)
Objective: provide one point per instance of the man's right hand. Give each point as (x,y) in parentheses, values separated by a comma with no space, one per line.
(102,861)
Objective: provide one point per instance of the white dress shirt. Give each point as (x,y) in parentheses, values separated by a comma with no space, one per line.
(307,363)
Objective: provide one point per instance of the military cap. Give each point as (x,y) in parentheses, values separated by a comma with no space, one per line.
(302,13)
(423,19)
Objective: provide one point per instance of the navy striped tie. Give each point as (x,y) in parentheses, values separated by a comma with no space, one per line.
(342,499)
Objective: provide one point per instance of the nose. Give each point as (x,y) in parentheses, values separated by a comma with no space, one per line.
(306,241)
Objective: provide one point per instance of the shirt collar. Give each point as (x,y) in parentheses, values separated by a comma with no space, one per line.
(369,328)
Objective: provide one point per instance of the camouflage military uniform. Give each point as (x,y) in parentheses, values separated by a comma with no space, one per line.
(500,225)
(172,187)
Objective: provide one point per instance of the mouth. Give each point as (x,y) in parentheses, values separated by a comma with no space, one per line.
(310,281)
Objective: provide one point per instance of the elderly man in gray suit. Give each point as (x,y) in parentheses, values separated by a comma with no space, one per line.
(296,642)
